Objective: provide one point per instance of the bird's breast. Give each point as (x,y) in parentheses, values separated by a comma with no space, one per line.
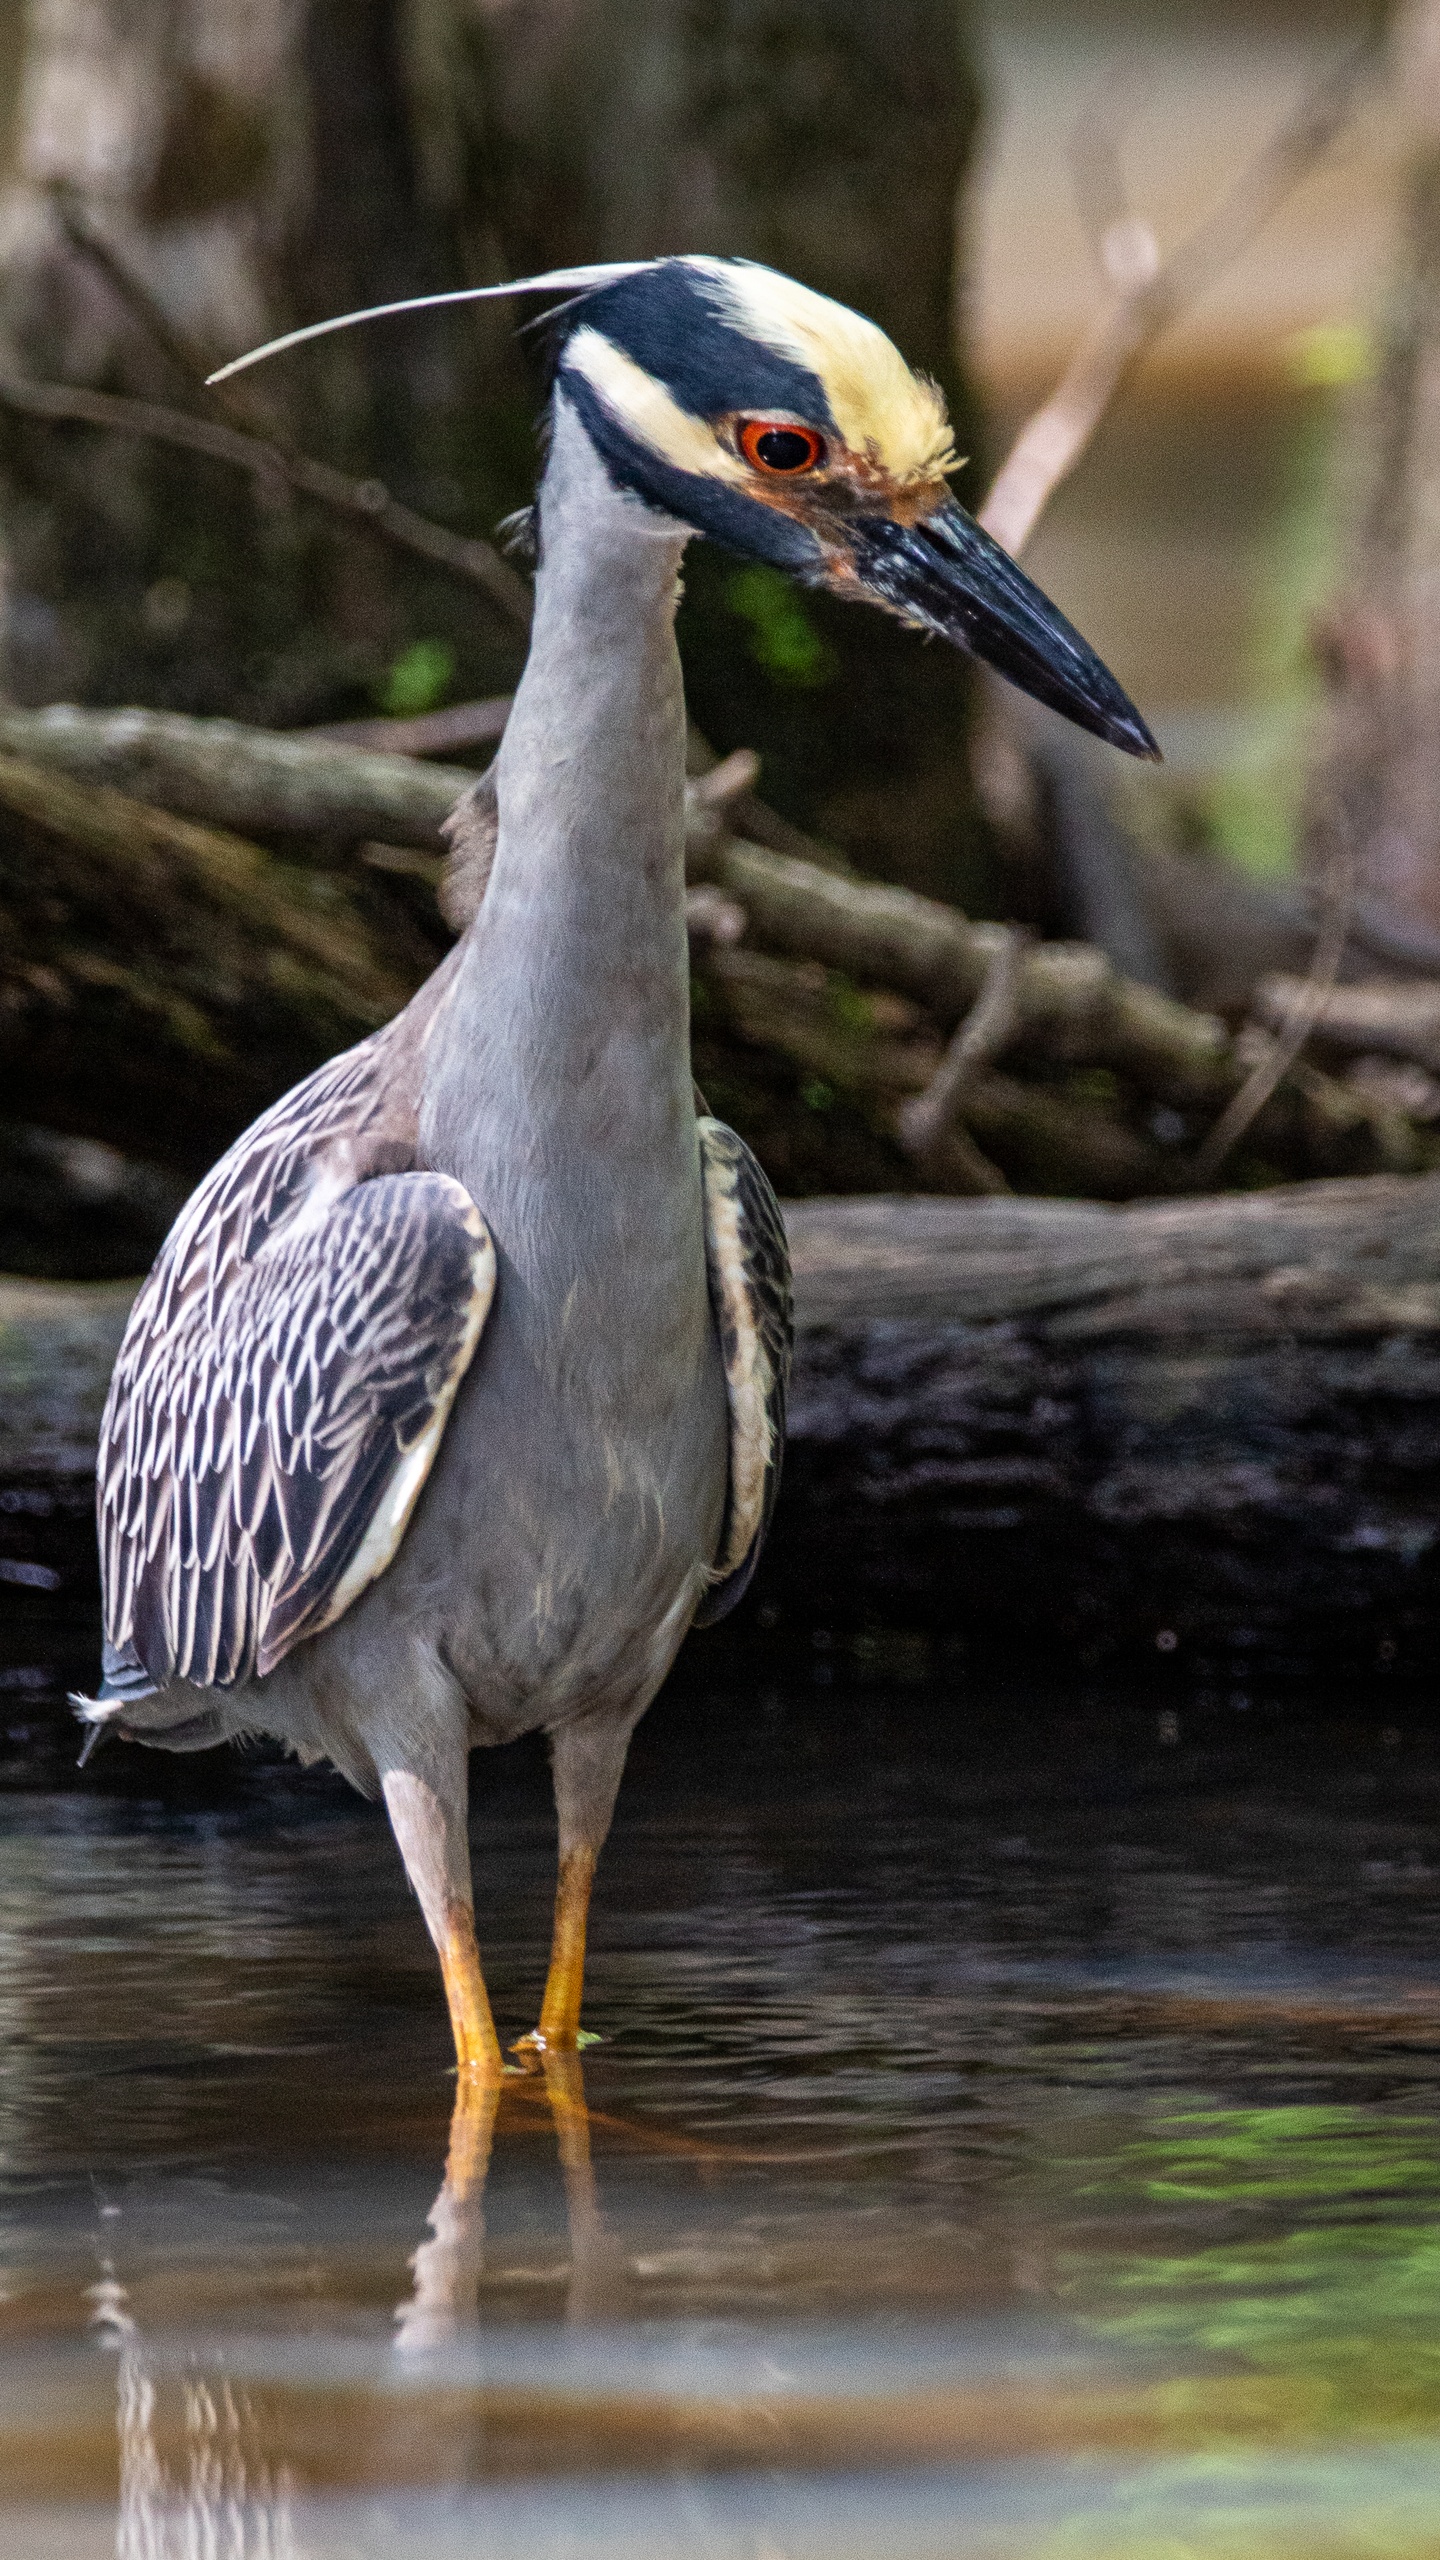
(579,1499)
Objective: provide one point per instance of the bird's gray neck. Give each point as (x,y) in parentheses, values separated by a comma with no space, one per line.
(591,771)
(560,1090)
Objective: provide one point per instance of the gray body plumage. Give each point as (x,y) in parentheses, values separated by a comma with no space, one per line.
(590,1470)
(457,1392)
(573,1513)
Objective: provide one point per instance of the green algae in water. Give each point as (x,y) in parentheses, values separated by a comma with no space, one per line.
(1328,2272)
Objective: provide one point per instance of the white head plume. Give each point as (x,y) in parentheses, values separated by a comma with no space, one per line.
(558,280)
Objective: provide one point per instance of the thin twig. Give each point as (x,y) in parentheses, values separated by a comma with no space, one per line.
(363,502)
(1388,1018)
(430,733)
(1095,171)
(931,1126)
(266,449)
(246,409)
(1151,292)
(1244,1108)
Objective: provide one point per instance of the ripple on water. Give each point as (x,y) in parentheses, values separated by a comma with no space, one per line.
(1010,2135)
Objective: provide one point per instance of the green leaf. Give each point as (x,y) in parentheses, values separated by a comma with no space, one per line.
(419,679)
(783,639)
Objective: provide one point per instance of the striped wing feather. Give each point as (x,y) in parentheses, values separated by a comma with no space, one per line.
(749,1270)
(283,1383)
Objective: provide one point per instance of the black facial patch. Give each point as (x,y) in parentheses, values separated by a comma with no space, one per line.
(671,321)
(737,522)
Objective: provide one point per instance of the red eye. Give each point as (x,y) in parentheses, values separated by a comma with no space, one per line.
(773,444)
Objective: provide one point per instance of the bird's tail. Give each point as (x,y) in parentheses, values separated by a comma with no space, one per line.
(136,1708)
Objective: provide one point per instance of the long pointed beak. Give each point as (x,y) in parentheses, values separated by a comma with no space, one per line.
(950,577)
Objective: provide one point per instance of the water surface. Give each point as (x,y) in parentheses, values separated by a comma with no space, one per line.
(1013,2132)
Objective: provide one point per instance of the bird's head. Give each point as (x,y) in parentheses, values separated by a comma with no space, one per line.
(791,430)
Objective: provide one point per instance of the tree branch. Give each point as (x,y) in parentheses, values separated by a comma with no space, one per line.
(931,1128)
(1246,1106)
(302,782)
(366,503)
(1377,1017)
(460,726)
(245,404)
(1151,291)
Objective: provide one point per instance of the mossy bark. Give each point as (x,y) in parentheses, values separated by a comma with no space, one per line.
(161,982)
(1213,1424)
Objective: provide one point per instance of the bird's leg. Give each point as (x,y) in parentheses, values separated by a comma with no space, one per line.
(559,2026)
(587,1760)
(427,1808)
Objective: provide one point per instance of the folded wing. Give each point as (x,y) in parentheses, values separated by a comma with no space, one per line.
(282,1387)
(749,1270)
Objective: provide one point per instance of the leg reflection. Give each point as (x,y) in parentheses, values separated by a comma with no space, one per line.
(194,2477)
(448,2265)
(597,2263)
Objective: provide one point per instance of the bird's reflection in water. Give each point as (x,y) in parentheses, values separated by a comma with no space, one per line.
(220,2494)
(448,2266)
(208,2485)
(445,2299)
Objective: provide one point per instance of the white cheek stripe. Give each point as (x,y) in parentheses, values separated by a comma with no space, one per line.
(646,409)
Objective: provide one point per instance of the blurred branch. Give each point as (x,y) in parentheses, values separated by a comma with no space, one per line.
(1245,1107)
(931,1128)
(258,781)
(1095,170)
(304,783)
(246,408)
(262,449)
(460,726)
(1151,291)
(362,502)
(1374,1018)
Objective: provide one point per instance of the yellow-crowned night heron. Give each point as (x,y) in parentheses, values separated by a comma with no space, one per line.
(456,1394)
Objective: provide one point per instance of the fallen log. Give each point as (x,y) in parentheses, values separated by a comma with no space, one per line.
(260,782)
(139,946)
(1209,1427)
(1195,1432)
(161,982)
(1073,1006)
(1380,1017)
(318,785)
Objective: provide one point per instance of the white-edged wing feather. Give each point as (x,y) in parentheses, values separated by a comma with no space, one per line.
(283,1383)
(749,1270)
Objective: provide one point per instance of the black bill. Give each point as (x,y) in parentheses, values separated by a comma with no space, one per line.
(953,579)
